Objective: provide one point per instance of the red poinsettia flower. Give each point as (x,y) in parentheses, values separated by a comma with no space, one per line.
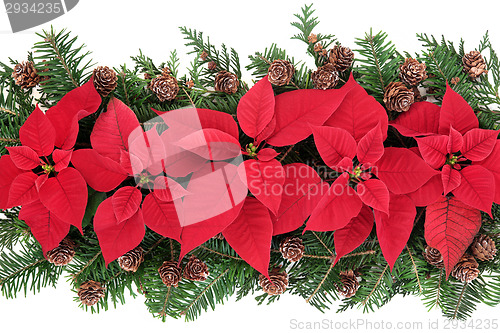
(37,176)
(450,140)
(468,159)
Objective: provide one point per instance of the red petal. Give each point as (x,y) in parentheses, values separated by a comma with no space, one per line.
(375,194)
(265,181)
(167,189)
(354,233)
(450,227)
(126,201)
(302,190)
(266,132)
(295,109)
(211,144)
(479,143)
(371,146)
(455,142)
(196,234)
(337,207)
(38,133)
(8,172)
(214,189)
(492,163)
(477,188)
(24,157)
(428,193)
(256,108)
(403,171)
(421,119)
(48,230)
(75,105)
(266,154)
(66,196)
(457,113)
(161,217)
(250,235)
(112,129)
(116,239)
(334,144)
(146,151)
(101,173)
(434,149)
(393,231)
(23,190)
(451,179)
(61,159)
(359,113)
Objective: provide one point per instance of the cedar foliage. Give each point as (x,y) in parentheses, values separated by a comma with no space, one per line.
(23,267)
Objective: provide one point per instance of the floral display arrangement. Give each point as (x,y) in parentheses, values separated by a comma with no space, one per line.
(373,174)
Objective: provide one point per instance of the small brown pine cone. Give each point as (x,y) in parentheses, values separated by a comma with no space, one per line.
(412,72)
(474,64)
(312,38)
(165,87)
(466,269)
(147,76)
(190,84)
(325,77)
(341,57)
(350,284)
(170,274)
(292,248)
(280,72)
(131,260)
(433,257)
(195,270)
(212,65)
(397,97)
(105,80)
(417,97)
(90,292)
(219,236)
(483,248)
(166,71)
(318,48)
(203,55)
(226,82)
(25,75)
(62,254)
(455,80)
(278,283)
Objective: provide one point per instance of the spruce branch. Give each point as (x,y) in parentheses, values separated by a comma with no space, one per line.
(414,268)
(460,300)
(375,286)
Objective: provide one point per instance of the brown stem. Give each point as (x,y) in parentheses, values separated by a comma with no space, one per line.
(320,284)
(376,285)
(221,254)
(8,111)
(414,268)
(286,153)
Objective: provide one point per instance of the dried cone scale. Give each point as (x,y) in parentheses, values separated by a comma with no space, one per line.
(292,248)
(483,248)
(195,270)
(278,283)
(350,284)
(397,97)
(90,292)
(131,260)
(280,72)
(25,75)
(105,80)
(170,274)
(466,269)
(62,254)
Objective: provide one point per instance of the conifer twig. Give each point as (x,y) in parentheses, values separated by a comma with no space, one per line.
(8,111)
(379,71)
(21,270)
(320,284)
(439,286)
(322,243)
(183,312)
(219,253)
(61,59)
(375,286)
(286,153)
(163,312)
(9,140)
(75,276)
(414,268)
(460,300)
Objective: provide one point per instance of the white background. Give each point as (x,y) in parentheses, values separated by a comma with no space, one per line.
(115,30)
